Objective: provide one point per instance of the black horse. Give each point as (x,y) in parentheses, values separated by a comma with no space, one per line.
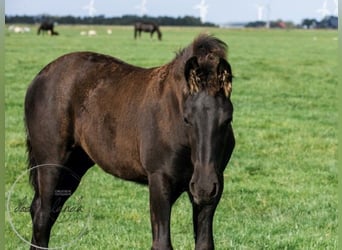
(168,127)
(146,27)
(47,27)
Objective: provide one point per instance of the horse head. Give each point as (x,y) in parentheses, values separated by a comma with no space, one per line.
(208,112)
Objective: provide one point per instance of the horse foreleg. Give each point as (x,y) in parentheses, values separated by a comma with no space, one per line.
(203,226)
(203,216)
(160,209)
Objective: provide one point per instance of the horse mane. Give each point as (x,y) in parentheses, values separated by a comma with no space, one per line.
(208,51)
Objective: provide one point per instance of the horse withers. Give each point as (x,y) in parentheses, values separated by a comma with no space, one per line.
(168,127)
(147,27)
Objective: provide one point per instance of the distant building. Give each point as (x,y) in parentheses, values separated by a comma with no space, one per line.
(233,25)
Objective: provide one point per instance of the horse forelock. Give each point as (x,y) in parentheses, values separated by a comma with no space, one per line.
(208,50)
(205,45)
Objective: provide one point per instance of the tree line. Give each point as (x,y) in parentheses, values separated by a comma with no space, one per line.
(103,20)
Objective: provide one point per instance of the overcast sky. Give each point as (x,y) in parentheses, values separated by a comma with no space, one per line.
(218,11)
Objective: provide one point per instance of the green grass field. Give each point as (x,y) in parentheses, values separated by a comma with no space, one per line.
(281,183)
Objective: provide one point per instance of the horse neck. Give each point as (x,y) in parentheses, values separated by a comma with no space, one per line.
(158,31)
(167,87)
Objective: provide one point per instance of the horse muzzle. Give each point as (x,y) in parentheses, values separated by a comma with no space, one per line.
(204,186)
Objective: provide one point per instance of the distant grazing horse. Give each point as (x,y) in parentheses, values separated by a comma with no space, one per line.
(47,26)
(146,27)
(168,127)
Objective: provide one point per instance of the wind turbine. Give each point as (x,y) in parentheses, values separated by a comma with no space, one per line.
(260,11)
(324,11)
(203,9)
(142,7)
(90,7)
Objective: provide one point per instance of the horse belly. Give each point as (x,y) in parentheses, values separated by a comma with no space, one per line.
(126,169)
(124,161)
(121,163)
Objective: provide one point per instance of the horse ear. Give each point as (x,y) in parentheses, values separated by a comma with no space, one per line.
(190,72)
(225,77)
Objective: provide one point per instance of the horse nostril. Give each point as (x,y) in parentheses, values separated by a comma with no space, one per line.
(214,192)
(192,187)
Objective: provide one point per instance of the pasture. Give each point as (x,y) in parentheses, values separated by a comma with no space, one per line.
(281,183)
